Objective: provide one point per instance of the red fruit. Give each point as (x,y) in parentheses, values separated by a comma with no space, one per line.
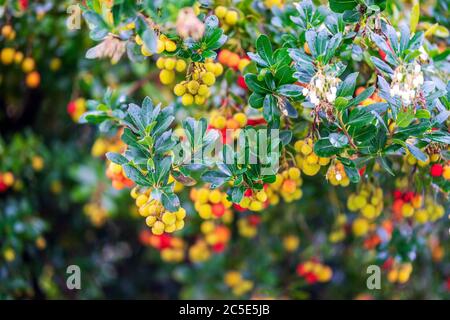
(23,4)
(382,54)
(397,207)
(218,247)
(164,241)
(3,187)
(388,263)
(248,193)
(238,207)
(397,194)
(301,270)
(408,196)
(436,170)
(255,122)
(71,107)
(218,209)
(241,82)
(311,278)
(254,220)
(145,237)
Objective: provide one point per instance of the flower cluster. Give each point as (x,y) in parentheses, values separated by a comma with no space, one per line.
(406,82)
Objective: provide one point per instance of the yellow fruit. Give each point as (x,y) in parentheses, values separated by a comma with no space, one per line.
(435,157)
(215,196)
(231,17)
(306,149)
(360,227)
(199,99)
(220,122)
(150,221)
(232,278)
(160,46)
(28,65)
(205,211)
(37,163)
(218,69)
(169,64)
(33,79)
(324,161)
(9,254)
(291,243)
(187,99)
(207,227)
(256,205)
(446,173)
(421,216)
(7,55)
(170,46)
(181,66)
(8,179)
(160,63)
(169,218)
(181,214)
(241,118)
(166,76)
(179,90)
(179,224)
(220,12)
(141,200)
(18,57)
(7,30)
(312,158)
(261,196)
(310,169)
(243,63)
(360,201)
(392,275)
(294,173)
(369,211)
(158,228)
(170,228)
(407,210)
(209,78)
(203,90)
(193,86)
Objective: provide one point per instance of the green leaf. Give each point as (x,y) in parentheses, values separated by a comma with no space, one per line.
(290,90)
(341,103)
(135,175)
(254,84)
(340,6)
(405,118)
(324,148)
(116,158)
(338,140)
(264,49)
(216,178)
(423,114)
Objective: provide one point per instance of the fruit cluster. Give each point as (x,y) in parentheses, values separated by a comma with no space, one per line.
(196,88)
(398,272)
(368,201)
(306,159)
(228,17)
(287,184)
(253,200)
(6,181)
(338,232)
(117,175)
(171,248)
(199,251)
(248,226)
(76,108)
(233,60)
(96,213)
(210,204)
(223,123)
(163,44)
(237,283)
(217,236)
(9,56)
(168,66)
(313,271)
(156,216)
(8,32)
(337,176)
(438,170)
(409,204)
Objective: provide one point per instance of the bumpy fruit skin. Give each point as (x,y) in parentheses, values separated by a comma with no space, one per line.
(179,90)
(166,76)
(209,78)
(187,99)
